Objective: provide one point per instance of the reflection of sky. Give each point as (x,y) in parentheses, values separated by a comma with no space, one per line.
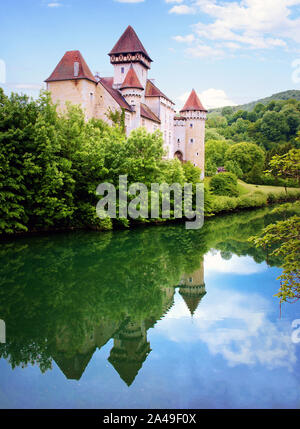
(236,352)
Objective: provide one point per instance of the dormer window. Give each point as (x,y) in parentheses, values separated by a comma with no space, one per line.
(76,68)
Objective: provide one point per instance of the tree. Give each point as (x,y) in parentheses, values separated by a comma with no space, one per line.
(274,126)
(224,184)
(234,168)
(286,166)
(245,155)
(282,239)
(227,111)
(117,117)
(215,154)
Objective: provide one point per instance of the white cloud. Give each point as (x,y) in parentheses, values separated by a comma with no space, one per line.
(214,263)
(129,1)
(174,1)
(245,24)
(189,38)
(56,4)
(201,50)
(211,98)
(235,326)
(182,10)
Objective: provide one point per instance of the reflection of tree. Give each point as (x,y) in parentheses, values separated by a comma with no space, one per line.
(64,296)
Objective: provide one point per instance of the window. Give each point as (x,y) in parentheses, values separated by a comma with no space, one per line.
(191,140)
(178,140)
(197,153)
(122,70)
(91,97)
(76,68)
(191,125)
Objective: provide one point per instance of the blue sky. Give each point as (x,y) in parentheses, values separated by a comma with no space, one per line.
(231,52)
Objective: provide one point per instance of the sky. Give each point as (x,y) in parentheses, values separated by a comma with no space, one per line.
(231,52)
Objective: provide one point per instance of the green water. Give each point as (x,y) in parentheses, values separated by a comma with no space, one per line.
(152,317)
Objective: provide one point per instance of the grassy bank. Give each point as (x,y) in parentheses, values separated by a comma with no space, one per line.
(251,196)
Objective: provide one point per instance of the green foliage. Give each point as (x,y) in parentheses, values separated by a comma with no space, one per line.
(51,165)
(224,184)
(36,183)
(102,281)
(282,239)
(117,118)
(215,155)
(270,124)
(274,126)
(245,155)
(259,104)
(233,167)
(286,166)
(191,173)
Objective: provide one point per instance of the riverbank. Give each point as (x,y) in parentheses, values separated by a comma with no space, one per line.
(253,196)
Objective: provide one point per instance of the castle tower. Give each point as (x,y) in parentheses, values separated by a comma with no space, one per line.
(132,91)
(126,52)
(192,288)
(72,80)
(130,350)
(190,132)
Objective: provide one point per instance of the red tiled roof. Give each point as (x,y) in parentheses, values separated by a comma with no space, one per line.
(193,103)
(65,68)
(131,80)
(153,91)
(107,83)
(129,43)
(148,114)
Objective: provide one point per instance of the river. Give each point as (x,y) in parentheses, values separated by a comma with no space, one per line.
(156,317)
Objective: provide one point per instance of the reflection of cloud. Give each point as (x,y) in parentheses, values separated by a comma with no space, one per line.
(234,325)
(214,263)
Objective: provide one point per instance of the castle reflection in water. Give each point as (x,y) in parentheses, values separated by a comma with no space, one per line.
(130,345)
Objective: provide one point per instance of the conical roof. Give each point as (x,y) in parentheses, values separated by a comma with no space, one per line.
(66,69)
(129,43)
(193,103)
(131,80)
(192,302)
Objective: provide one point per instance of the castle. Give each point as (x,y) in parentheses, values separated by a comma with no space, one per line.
(131,346)
(130,89)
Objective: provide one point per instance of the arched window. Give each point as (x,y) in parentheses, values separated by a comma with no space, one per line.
(178,154)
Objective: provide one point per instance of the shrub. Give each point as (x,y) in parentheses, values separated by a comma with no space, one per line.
(223,203)
(224,184)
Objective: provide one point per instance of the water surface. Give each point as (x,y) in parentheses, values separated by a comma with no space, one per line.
(157,317)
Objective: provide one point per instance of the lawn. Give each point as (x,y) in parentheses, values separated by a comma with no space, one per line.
(247,188)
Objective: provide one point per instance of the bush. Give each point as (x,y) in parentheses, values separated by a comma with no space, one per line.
(223,203)
(283,196)
(224,184)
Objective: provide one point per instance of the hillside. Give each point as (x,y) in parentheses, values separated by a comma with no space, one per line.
(285,95)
